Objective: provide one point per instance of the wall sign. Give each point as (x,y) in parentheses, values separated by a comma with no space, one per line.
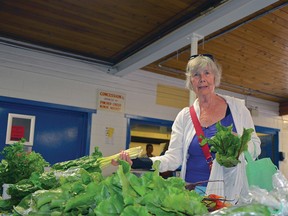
(20,126)
(111,101)
(17,132)
(109,135)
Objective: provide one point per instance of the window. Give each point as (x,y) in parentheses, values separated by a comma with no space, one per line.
(20,126)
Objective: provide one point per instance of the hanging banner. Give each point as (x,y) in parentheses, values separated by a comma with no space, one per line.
(111,101)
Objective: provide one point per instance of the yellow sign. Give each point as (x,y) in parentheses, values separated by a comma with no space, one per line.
(111,101)
(109,135)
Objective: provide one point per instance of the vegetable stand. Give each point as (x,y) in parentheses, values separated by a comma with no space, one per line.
(77,187)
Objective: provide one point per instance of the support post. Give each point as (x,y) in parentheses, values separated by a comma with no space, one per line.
(193,51)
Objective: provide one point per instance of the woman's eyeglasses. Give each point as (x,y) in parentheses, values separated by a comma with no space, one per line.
(206,55)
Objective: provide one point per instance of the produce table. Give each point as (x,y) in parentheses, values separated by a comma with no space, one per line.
(77,187)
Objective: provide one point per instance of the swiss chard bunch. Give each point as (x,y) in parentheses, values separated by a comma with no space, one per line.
(227,145)
(95,162)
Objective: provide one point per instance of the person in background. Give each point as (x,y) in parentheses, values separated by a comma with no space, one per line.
(149,150)
(203,75)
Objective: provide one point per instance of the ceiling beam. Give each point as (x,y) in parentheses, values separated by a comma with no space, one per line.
(224,15)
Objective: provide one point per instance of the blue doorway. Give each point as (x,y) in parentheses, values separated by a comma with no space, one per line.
(61,132)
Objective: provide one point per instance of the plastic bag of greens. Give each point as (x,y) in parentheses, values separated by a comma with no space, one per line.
(230,183)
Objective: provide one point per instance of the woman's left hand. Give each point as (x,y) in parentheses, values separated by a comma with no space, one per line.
(123,156)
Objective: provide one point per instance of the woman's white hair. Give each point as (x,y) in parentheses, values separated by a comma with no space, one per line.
(199,63)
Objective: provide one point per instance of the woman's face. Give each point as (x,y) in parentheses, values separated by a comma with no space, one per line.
(203,81)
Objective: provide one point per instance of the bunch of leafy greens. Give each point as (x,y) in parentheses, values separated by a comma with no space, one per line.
(49,180)
(24,187)
(228,146)
(122,193)
(89,162)
(96,162)
(71,183)
(59,173)
(17,164)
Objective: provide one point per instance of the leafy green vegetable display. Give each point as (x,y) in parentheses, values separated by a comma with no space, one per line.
(227,146)
(24,187)
(16,166)
(72,182)
(68,171)
(121,193)
(80,189)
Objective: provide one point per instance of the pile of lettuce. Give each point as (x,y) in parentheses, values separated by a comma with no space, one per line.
(122,193)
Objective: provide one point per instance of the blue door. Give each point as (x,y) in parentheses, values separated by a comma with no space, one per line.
(269,143)
(61,132)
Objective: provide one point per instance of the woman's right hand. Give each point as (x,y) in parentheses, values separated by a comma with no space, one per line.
(123,156)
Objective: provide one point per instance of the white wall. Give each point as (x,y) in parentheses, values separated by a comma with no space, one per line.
(43,77)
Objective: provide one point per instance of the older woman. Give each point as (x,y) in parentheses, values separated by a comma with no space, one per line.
(203,75)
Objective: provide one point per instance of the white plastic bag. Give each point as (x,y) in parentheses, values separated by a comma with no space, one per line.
(280,192)
(279,181)
(230,183)
(262,196)
(216,180)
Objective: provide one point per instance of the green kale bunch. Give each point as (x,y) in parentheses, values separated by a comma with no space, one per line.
(227,145)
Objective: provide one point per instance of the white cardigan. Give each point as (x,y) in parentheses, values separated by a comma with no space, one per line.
(183,131)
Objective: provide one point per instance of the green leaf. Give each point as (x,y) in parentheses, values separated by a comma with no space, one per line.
(84,199)
(135,210)
(111,206)
(129,193)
